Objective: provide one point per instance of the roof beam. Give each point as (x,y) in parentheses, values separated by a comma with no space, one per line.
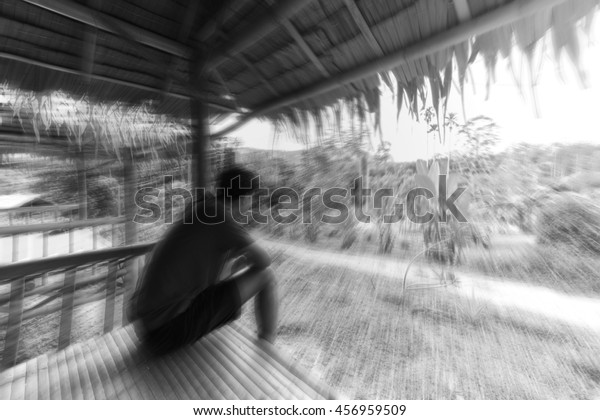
(224,86)
(250,34)
(89,46)
(209,100)
(500,16)
(362,24)
(215,21)
(191,13)
(89,52)
(291,29)
(257,74)
(107,23)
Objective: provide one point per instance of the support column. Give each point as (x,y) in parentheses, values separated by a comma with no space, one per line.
(81,185)
(199,117)
(131,236)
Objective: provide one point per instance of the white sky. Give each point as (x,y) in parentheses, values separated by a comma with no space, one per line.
(568,112)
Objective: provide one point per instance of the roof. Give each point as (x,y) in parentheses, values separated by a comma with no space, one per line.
(264,58)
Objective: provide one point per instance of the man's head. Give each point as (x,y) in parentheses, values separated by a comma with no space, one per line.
(233,185)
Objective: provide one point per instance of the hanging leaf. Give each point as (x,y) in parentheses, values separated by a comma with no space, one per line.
(35,128)
(385,76)
(447,80)
(529,54)
(43,111)
(434,86)
(461,52)
(399,100)
(474,51)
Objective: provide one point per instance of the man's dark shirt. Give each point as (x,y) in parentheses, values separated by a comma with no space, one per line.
(184,263)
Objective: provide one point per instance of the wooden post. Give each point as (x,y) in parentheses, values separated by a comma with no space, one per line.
(94,245)
(111,288)
(199,117)
(130,187)
(45,237)
(68,296)
(15,248)
(66,312)
(81,185)
(15,316)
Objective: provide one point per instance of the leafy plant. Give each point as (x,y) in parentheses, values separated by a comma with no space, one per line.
(441,238)
(570,219)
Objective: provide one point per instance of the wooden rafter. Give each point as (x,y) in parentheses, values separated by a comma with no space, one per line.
(185,30)
(500,16)
(88,53)
(130,33)
(250,34)
(224,86)
(89,45)
(257,74)
(362,24)
(107,23)
(213,24)
(291,29)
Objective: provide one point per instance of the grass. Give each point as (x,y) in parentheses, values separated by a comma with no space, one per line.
(560,267)
(355,332)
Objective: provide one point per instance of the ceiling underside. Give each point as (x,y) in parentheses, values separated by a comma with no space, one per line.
(265,57)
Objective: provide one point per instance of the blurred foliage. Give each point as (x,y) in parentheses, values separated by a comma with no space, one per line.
(103,196)
(570,219)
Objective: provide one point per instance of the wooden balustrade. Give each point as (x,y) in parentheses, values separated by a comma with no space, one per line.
(59,226)
(61,296)
(42,209)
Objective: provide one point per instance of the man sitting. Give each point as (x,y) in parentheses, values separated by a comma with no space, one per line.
(201,273)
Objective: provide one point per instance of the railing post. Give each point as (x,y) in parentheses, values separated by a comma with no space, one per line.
(111,288)
(15,316)
(131,237)
(81,185)
(15,248)
(66,312)
(94,244)
(45,237)
(68,296)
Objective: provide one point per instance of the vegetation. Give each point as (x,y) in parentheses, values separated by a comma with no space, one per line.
(572,220)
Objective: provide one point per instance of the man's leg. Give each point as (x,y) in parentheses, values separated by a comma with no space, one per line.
(262,285)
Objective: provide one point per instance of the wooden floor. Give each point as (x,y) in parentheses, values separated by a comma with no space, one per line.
(227,364)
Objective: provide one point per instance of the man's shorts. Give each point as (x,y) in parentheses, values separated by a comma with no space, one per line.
(216,306)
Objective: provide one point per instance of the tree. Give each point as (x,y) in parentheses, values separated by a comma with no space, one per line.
(479,136)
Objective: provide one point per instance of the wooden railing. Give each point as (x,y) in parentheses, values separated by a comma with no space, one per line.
(55,210)
(113,268)
(62,296)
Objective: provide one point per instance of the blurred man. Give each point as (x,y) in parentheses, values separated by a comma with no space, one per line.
(201,273)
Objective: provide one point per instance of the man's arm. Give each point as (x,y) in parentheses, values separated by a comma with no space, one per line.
(251,259)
